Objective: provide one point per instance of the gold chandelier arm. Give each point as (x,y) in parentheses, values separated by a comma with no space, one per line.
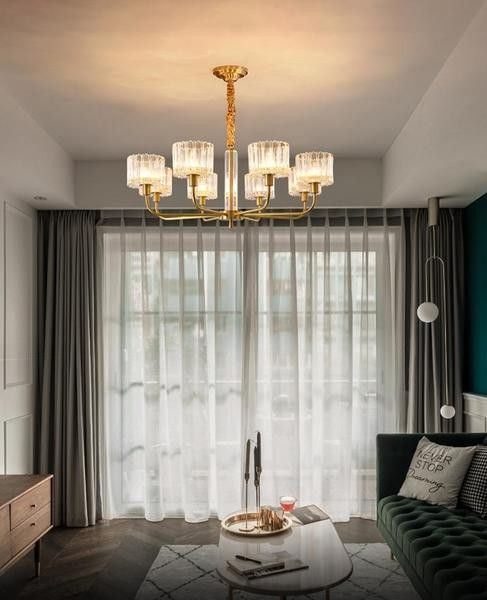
(172,216)
(286,216)
(178,216)
(203,209)
(258,210)
(148,206)
(214,215)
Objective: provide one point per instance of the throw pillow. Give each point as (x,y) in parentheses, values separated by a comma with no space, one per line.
(474,490)
(436,473)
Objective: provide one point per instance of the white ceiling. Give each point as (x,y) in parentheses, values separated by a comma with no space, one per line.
(109,78)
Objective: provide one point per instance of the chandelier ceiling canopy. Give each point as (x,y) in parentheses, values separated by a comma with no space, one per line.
(193,161)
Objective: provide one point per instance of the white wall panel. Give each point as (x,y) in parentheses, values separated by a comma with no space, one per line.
(19,451)
(17,333)
(18,288)
(475,413)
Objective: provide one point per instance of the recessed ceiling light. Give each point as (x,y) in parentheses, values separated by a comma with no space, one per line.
(40,198)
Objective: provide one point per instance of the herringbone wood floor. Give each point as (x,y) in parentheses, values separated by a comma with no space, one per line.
(109,561)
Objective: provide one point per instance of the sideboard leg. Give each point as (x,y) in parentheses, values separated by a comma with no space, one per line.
(37,558)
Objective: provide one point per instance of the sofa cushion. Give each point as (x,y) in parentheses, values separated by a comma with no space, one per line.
(436,472)
(446,548)
(473,494)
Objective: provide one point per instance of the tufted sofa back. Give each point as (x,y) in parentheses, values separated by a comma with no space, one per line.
(395,451)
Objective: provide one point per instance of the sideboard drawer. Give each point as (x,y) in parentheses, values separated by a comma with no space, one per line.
(31,529)
(30,503)
(5,553)
(4,521)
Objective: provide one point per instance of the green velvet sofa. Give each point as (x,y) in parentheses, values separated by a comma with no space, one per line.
(442,551)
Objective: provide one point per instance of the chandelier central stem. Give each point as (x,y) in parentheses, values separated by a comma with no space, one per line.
(230,115)
(230,74)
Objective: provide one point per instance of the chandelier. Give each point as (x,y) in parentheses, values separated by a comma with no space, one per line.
(193,161)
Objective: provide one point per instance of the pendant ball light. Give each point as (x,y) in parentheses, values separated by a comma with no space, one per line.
(429,311)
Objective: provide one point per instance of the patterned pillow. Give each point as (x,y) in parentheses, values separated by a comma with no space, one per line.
(474,490)
(436,473)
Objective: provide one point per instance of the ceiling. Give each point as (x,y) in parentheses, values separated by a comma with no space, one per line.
(109,78)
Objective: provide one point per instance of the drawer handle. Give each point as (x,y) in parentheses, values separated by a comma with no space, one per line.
(33,524)
(33,505)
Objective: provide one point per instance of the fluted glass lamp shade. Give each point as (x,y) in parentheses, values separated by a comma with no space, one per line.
(255,187)
(269,158)
(427,312)
(207,187)
(163,186)
(447,411)
(315,167)
(144,169)
(295,186)
(192,158)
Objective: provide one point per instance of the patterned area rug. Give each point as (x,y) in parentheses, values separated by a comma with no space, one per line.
(188,573)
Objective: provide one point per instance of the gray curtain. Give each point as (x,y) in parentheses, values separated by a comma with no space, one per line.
(425,369)
(67,355)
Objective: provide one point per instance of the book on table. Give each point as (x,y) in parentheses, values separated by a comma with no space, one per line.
(309,514)
(265,564)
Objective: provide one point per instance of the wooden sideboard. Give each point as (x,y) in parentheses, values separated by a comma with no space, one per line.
(25,516)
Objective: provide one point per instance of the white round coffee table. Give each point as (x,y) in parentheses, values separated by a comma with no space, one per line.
(316,544)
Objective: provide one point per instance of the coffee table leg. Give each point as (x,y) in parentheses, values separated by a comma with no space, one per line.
(230,593)
(327,595)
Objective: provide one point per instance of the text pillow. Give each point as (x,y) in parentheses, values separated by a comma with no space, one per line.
(474,489)
(436,473)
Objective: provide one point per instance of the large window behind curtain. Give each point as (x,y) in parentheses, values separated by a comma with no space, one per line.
(210,334)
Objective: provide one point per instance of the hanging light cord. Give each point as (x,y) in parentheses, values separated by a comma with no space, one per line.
(432,258)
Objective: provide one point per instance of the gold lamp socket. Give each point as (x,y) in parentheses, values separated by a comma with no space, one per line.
(315,187)
(193,180)
(269,180)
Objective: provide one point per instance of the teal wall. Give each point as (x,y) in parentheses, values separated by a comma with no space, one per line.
(475,239)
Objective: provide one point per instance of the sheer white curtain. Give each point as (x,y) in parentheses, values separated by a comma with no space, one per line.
(210,334)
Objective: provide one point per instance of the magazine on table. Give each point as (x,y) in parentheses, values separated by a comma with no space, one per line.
(255,566)
(309,514)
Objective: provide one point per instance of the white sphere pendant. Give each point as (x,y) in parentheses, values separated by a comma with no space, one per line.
(427,312)
(447,411)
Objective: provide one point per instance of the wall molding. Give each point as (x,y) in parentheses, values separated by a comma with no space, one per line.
(474,412)
(22,461)
(16,212)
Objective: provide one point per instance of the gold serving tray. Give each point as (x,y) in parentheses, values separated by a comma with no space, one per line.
(235,522)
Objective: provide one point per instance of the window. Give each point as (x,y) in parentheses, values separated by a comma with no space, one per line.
(210,334)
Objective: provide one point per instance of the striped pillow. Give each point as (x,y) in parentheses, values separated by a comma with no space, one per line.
(473,494)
